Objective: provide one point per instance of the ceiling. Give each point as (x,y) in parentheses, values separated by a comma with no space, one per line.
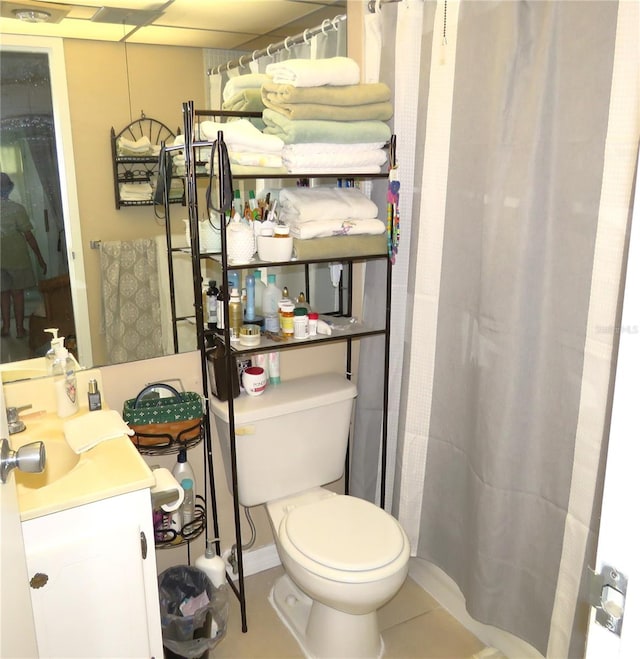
(223,24)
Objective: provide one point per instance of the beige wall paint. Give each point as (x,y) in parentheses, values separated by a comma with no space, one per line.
(123,381)
(100,77)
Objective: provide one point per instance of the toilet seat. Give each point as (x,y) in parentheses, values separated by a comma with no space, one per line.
(344,538)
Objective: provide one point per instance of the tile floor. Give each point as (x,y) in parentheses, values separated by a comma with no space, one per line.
(413,625)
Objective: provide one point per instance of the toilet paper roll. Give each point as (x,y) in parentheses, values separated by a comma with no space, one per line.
(167,492)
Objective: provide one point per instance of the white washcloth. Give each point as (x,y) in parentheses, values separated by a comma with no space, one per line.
(89,430)
(315,72)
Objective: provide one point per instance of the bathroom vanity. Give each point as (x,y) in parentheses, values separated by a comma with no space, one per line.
(88,536)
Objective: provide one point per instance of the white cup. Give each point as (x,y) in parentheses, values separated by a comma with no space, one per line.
(254,380)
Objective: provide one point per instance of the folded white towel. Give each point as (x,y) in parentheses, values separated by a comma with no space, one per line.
(89,430)
(327,228)
(247,81)
(242,133)
(315,72)
(309,204)
(302,162)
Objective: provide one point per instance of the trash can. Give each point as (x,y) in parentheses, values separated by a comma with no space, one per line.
(193,612)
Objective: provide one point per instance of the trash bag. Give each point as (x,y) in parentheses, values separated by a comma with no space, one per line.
(193,612)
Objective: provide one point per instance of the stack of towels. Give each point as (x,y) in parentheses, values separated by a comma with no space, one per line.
(250,150)
(323,212)
(138,148)
(328,121)
(136,192)
(243,94)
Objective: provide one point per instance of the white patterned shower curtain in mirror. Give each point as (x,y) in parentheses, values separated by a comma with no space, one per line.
(36,291)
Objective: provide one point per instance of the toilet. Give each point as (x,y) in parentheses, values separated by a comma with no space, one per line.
(343,557)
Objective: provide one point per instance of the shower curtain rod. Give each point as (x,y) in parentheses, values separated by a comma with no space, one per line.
(375,4)
(271,49)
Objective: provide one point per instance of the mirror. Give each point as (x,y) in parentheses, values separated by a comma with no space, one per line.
(127,79)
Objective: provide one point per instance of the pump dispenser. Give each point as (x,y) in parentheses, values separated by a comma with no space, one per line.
(50,355)
(64,381)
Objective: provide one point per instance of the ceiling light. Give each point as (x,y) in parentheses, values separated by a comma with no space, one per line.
(32,16)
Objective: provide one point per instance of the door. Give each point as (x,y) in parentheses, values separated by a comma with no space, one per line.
(619,537)
(17,631)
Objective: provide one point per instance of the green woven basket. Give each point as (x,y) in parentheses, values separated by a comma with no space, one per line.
(163,421)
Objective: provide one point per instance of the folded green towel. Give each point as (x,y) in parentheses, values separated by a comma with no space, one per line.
(247,100)
(368,111)
(375,92)
(316,130)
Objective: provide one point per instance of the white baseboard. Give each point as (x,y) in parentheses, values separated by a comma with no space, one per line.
(263,558)
(441,587)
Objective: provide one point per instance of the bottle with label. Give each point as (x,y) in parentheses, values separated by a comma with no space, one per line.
(188,504)
(270,301)
(212,305)
(286,318)
(235,315)
(65,381)
(221,304)
(182,469)
(260,288)
(94,397)
(250,311)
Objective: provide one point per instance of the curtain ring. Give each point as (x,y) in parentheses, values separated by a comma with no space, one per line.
(305,38)
(218,69)
(334,23)
(287,47)
(378,6)
(323,27)
(269,53)
(241,64)
(253,55)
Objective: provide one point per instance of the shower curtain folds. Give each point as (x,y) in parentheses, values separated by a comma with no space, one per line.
(522,177)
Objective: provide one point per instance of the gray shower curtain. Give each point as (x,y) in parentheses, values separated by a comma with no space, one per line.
(494,403)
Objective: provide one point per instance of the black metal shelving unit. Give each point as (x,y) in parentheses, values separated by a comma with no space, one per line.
(194,170)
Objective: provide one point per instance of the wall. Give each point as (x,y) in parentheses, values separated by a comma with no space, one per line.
(124,381)
(109,86)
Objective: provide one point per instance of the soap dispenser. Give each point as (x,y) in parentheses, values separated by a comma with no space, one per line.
(50,355)
(65,381)
(212,565)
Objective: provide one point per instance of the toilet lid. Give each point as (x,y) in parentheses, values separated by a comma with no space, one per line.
(345,533)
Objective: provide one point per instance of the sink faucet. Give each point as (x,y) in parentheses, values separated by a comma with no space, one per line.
(14,422)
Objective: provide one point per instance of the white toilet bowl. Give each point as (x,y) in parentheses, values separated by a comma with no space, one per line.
(344,558)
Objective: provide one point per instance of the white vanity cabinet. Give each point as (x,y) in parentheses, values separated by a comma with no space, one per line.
(93,579)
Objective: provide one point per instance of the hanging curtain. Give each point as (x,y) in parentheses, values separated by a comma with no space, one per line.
(527,136)
(131,300)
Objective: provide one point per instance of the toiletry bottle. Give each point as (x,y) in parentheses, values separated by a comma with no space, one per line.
(274,367)
(182,469)
(50,356)
(235,315)
(212,305)
(253,205)
(237,202)
(188,504)
(233,277)
(222,301)
(65,382)
(212,565)
(95,400)
(270,301)
(250,313)
(260,288)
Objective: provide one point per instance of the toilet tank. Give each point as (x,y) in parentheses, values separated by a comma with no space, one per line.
(291,438)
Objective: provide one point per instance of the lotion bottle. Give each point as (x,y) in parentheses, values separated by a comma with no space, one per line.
(182,469)
(212,565)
